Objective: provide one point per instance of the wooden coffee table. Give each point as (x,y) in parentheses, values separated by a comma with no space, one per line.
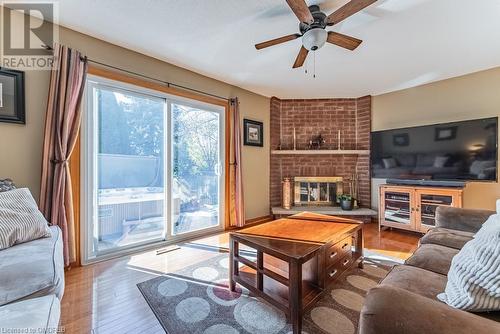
(297,259)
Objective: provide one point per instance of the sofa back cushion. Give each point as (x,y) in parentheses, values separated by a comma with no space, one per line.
(474,277)
(20,219)
(425,160)
(406,160)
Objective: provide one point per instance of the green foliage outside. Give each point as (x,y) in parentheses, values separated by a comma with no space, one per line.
(134,125)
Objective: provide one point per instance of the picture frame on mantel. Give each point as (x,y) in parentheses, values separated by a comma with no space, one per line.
(12,108)
(253,133)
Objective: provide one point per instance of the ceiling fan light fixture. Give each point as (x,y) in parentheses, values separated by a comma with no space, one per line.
(314,39)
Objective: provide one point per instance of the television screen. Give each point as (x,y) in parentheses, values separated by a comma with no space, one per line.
(451,151)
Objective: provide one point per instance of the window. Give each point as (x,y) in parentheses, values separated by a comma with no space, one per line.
(153,167)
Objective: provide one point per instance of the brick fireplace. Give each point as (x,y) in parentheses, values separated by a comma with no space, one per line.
(325,117)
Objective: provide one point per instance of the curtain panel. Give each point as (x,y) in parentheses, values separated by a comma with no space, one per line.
(236,202)
(62,124)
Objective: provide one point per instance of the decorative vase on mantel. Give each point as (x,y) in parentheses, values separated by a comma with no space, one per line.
(286,196)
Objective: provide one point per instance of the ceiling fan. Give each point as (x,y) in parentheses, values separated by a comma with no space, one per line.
(312,27)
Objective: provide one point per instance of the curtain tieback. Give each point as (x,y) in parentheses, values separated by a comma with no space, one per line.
(59,162)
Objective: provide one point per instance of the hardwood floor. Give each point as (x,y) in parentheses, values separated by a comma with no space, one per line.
(103,298)
(391,242)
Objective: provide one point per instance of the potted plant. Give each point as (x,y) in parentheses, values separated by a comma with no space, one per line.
(346,202)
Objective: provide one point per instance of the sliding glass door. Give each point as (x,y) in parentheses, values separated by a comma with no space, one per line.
(153,168)
(196,168)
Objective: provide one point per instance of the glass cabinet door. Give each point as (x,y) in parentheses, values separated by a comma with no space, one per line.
(428,203)
(397,208)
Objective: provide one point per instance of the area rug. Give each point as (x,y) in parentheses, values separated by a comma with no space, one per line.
(197,300)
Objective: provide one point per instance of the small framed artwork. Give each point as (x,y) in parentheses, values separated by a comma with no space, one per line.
(402,139)
(253,133)
(12,96)
(445,133)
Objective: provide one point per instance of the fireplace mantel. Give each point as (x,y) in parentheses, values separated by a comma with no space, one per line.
(316,152)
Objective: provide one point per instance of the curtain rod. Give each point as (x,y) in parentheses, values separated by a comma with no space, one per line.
(168,84)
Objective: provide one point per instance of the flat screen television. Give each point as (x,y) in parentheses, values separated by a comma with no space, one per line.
(456,151)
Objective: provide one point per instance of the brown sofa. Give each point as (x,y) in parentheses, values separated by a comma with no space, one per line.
(405,301)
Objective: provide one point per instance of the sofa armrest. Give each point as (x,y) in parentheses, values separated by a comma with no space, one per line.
(390,310)
(467,220)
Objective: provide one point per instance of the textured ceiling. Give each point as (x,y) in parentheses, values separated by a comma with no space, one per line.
(406,42)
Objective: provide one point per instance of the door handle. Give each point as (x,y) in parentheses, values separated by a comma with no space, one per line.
(218,169)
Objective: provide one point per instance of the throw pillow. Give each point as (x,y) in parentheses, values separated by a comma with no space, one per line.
(389,163)
(6,185)
(488,226)
(440,161)
(474,276)
(20,219)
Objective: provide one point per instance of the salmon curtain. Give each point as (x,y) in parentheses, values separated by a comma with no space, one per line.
(62,124)
(236,201)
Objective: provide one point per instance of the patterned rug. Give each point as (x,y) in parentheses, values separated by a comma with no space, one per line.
(197,300)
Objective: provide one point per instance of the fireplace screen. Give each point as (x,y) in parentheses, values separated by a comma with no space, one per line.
(316,190)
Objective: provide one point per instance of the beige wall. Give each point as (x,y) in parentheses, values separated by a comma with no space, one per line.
(21,146)
(471,96)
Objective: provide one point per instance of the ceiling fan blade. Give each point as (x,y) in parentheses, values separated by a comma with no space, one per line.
(350,8)
(344,41)
(301,57)
(300,9)
(276,41)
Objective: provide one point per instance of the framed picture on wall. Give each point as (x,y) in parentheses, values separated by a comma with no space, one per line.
(12,96)
(401,139)
(253,133)
(445,133)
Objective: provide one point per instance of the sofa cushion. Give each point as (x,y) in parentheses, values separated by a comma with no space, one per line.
(431,257)
(425,160)
(32,269)
(390,310)
(37,315)
(406,160)
(420,281)
(446,237)
(20,219)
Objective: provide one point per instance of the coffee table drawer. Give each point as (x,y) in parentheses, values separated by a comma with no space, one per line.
(334,271)
(338,251)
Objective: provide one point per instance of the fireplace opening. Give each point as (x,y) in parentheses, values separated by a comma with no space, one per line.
(317,191)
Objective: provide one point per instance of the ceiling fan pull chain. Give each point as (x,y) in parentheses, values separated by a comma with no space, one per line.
(314,65)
